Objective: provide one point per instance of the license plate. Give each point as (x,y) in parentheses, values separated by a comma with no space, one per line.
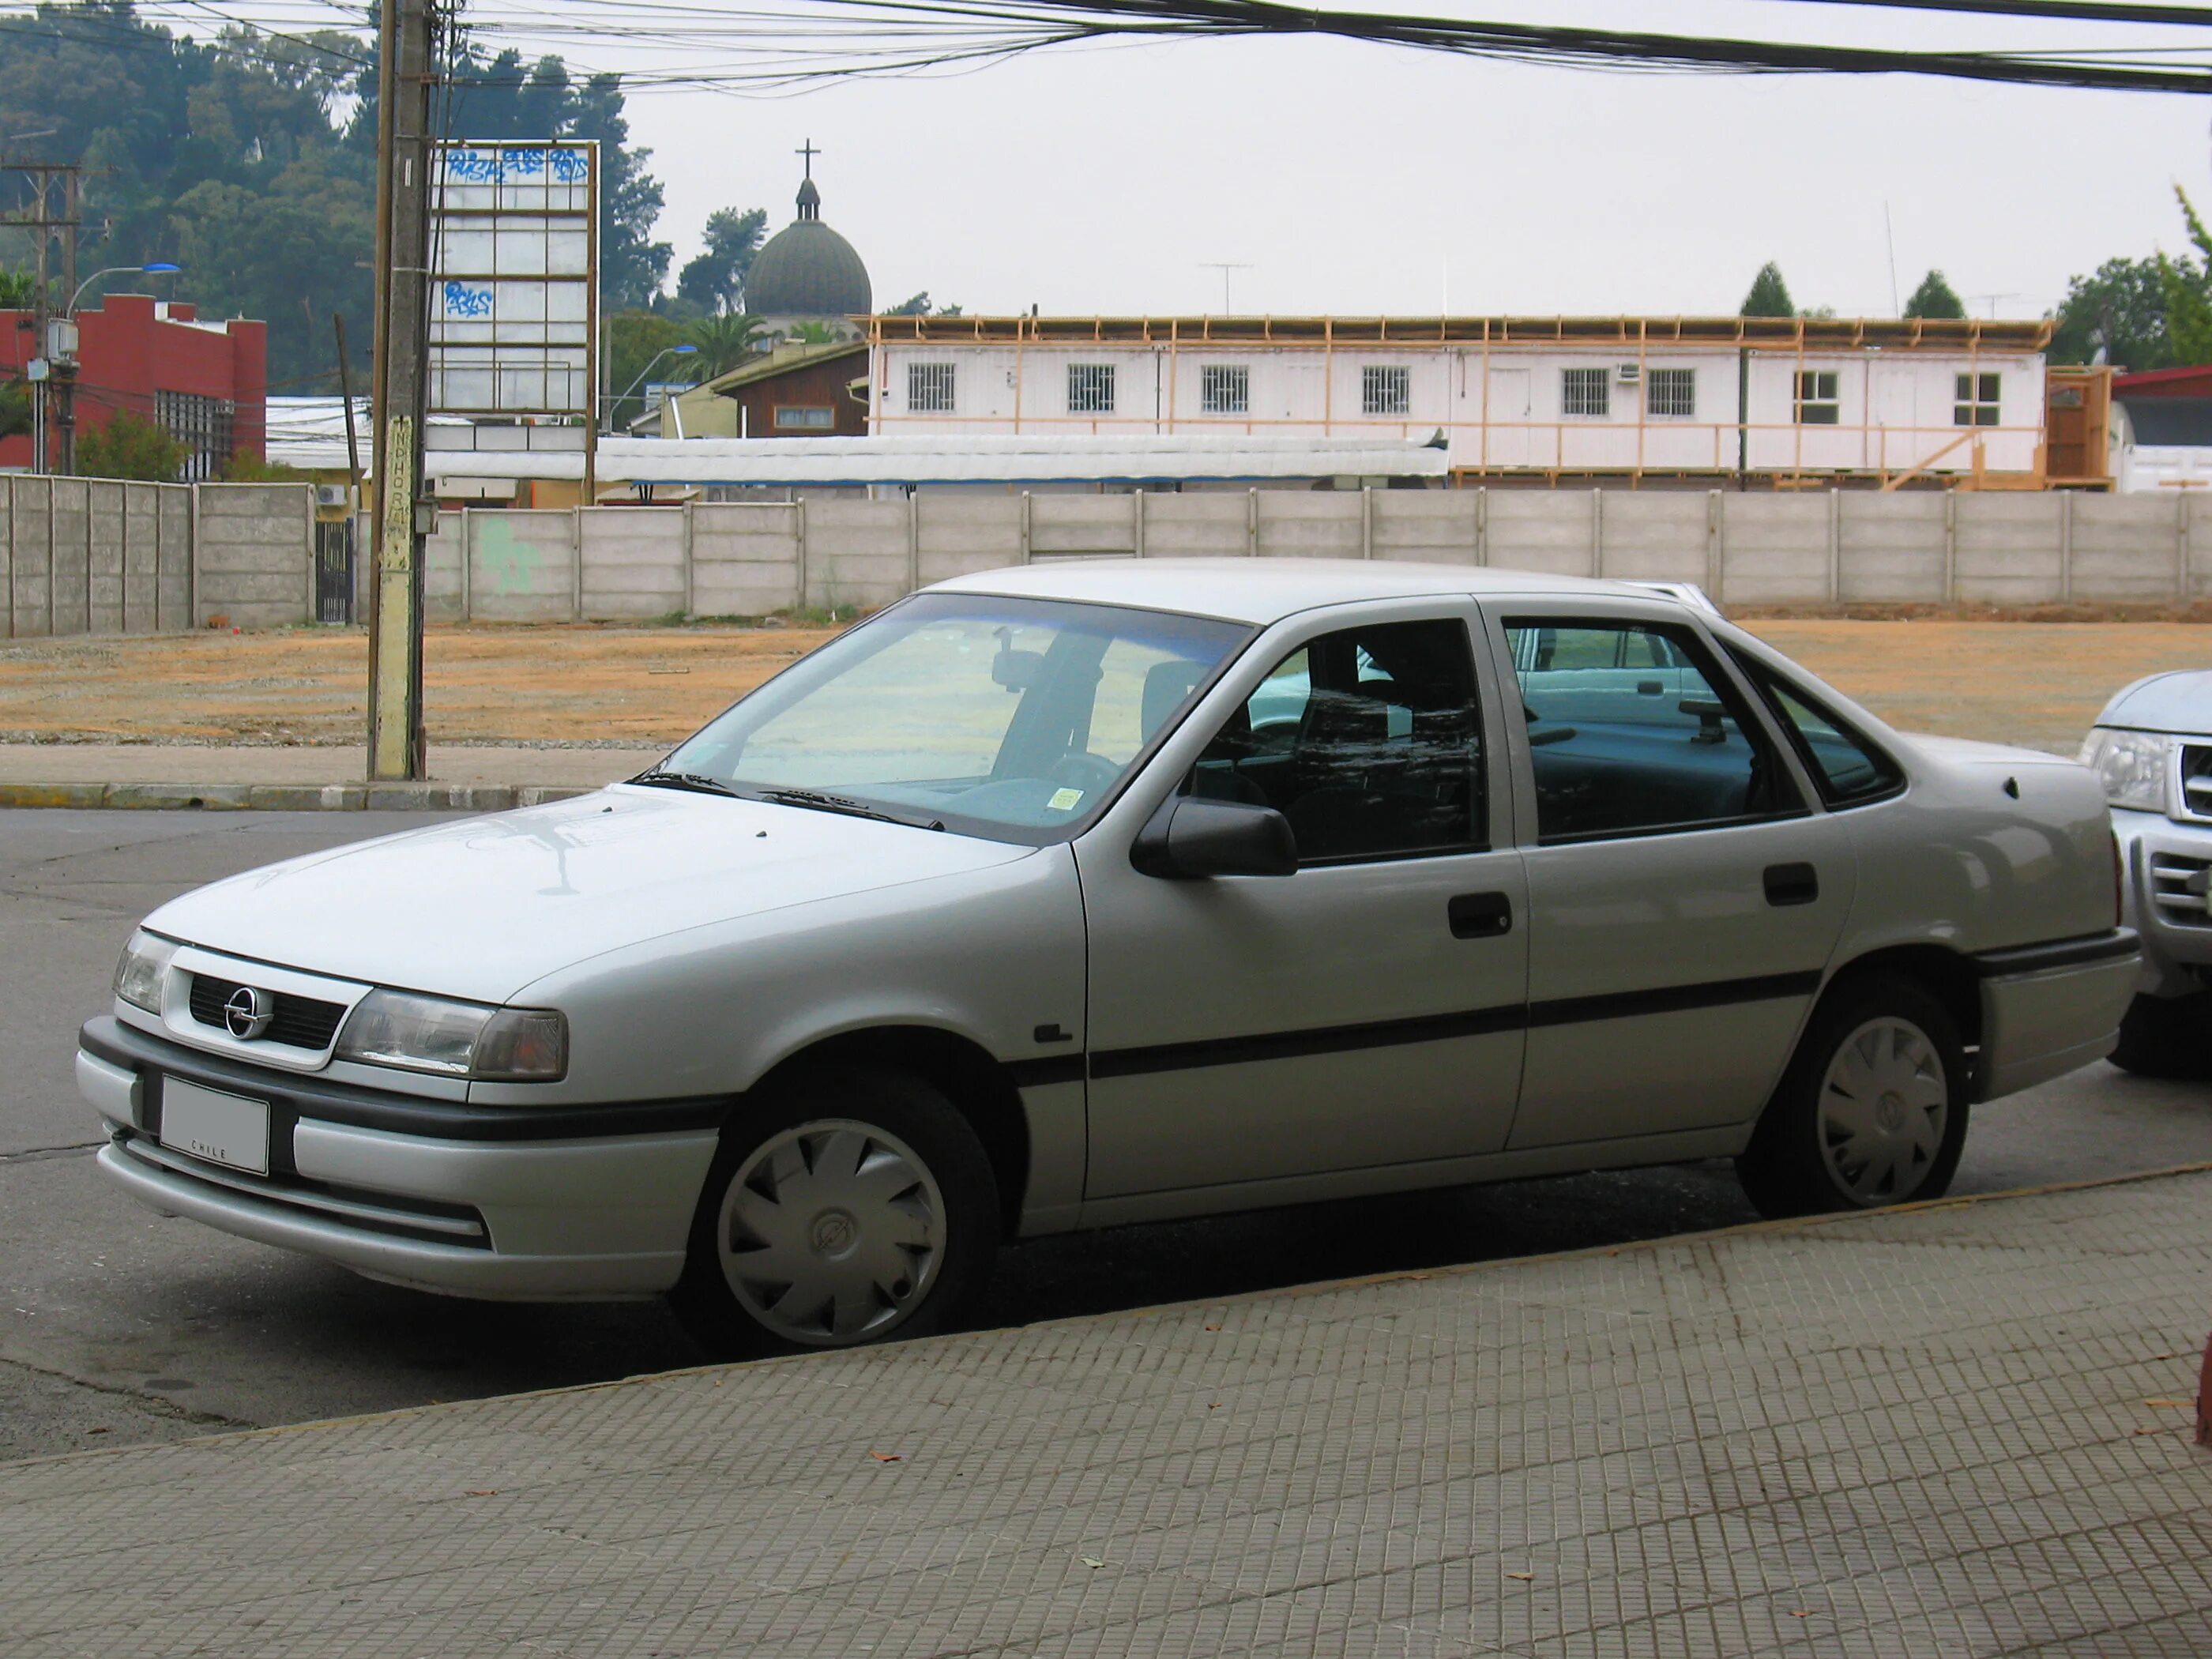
(222,1129)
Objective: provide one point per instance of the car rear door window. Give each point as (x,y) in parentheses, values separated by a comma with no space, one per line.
(1368,740)
(1846,768)
(1633,731)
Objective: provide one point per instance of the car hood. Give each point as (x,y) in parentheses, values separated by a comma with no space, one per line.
(481,908)
(1967,751)
(2180,700)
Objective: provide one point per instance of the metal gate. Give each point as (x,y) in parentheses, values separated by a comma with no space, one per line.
(334,570)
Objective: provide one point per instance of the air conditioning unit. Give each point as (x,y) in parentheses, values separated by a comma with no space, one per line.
(1629,373)
(330,495)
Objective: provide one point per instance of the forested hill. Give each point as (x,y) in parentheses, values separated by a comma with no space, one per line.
(250,160)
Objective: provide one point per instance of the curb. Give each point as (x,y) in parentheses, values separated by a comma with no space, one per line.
(290,796)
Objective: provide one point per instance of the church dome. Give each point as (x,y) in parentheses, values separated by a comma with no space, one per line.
(807,270)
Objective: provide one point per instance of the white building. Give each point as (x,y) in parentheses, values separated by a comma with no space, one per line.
(1777,400)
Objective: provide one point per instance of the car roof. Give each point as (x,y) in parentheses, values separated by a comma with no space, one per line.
(1267,590)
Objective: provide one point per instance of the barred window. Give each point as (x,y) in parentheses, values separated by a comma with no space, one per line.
(1091,388)
(1670,392)
(202,425)
(1816,397)
(1224,389)
(929,388)
(1585,391)
(1979,396)
(1386,389)
(804,417)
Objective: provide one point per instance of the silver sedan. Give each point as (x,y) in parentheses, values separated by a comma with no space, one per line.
(1100,892)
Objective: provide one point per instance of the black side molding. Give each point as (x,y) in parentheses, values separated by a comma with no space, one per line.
(2056,953)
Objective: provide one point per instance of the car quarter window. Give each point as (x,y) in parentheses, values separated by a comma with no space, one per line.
(1846,768)
(1632,730)
(1369,740)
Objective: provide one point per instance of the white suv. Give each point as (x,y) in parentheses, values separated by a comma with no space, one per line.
(2153,747)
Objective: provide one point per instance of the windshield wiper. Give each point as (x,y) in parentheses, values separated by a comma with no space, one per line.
(697,782)
(822,802)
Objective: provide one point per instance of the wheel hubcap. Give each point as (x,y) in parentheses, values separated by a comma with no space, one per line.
(832,1232)
(1884,1105)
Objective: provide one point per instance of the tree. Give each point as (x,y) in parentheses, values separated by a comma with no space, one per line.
(724,342)
(2187,292)
(919,306)
(2119,310)
(1934,298)
(128,446)
(715,280)
(1769,295)
(19,288)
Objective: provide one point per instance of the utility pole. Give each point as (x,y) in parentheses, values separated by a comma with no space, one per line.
(49,406)
(403,511)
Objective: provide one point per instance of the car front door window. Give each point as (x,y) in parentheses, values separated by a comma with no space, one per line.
(1368,740)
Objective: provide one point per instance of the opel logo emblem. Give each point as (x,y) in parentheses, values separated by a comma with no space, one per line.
(247,1010)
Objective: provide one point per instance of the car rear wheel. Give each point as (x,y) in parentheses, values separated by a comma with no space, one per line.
(847,1207)
(2168,1036)
(1872,1110)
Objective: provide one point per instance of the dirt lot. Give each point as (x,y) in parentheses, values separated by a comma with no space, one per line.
(2037,683)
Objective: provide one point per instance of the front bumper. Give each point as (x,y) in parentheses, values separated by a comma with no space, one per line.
(2052,1008)
(2163,861)
(525,1204)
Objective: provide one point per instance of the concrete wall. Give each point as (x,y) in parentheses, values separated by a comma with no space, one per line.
(253,553)
(81,556)
(90,555)
(1850,547)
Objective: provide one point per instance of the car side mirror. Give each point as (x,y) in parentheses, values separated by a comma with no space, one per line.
(1189,837)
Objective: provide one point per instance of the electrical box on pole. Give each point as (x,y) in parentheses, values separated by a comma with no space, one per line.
(404,509)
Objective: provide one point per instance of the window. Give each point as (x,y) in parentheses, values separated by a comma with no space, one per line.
(1847,768)
(1369,741)
(1979,396)
(929,388)
(1091,388)
(1816,397)
(1584,392)
(202,425)
(1632,731)
(1009,718)
(1386,389)
(800,417)
(1670,394)
(1224,389)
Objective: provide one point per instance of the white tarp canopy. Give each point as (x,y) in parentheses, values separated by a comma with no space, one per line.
(950,459)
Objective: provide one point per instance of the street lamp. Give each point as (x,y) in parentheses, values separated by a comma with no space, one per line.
(158,268)
(666,351)
(61,356)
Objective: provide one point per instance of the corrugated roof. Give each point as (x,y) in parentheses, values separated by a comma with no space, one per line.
(960,459)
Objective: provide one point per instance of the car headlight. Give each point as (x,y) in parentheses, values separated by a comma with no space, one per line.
(140,970)
(2135,768)
(456,1039)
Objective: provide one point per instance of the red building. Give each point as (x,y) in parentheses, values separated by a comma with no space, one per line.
(207,383)
(2192,380)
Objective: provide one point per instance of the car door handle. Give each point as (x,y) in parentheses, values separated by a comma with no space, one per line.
(1792,883)
(1479,916)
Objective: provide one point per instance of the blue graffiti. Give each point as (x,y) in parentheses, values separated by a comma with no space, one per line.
(462,301)
(473,167)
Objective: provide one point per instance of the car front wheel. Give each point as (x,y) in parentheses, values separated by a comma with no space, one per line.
(1872,1110)
(845,1207)
(2168,1036)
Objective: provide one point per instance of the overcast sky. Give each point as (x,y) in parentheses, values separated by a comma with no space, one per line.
(1358,179)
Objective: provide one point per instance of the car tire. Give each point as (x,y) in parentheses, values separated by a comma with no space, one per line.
(2168,1036)
(844,1207)
(1872,1110)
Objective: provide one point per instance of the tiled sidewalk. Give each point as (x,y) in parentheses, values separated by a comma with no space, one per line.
(1958,1431)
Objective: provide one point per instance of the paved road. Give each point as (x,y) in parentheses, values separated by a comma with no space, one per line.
(118,1326)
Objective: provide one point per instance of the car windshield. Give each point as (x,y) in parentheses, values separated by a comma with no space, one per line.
(1004,717)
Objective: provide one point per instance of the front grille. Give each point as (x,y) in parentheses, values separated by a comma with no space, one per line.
(2178,886)
(300,1021)
(2197,780)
